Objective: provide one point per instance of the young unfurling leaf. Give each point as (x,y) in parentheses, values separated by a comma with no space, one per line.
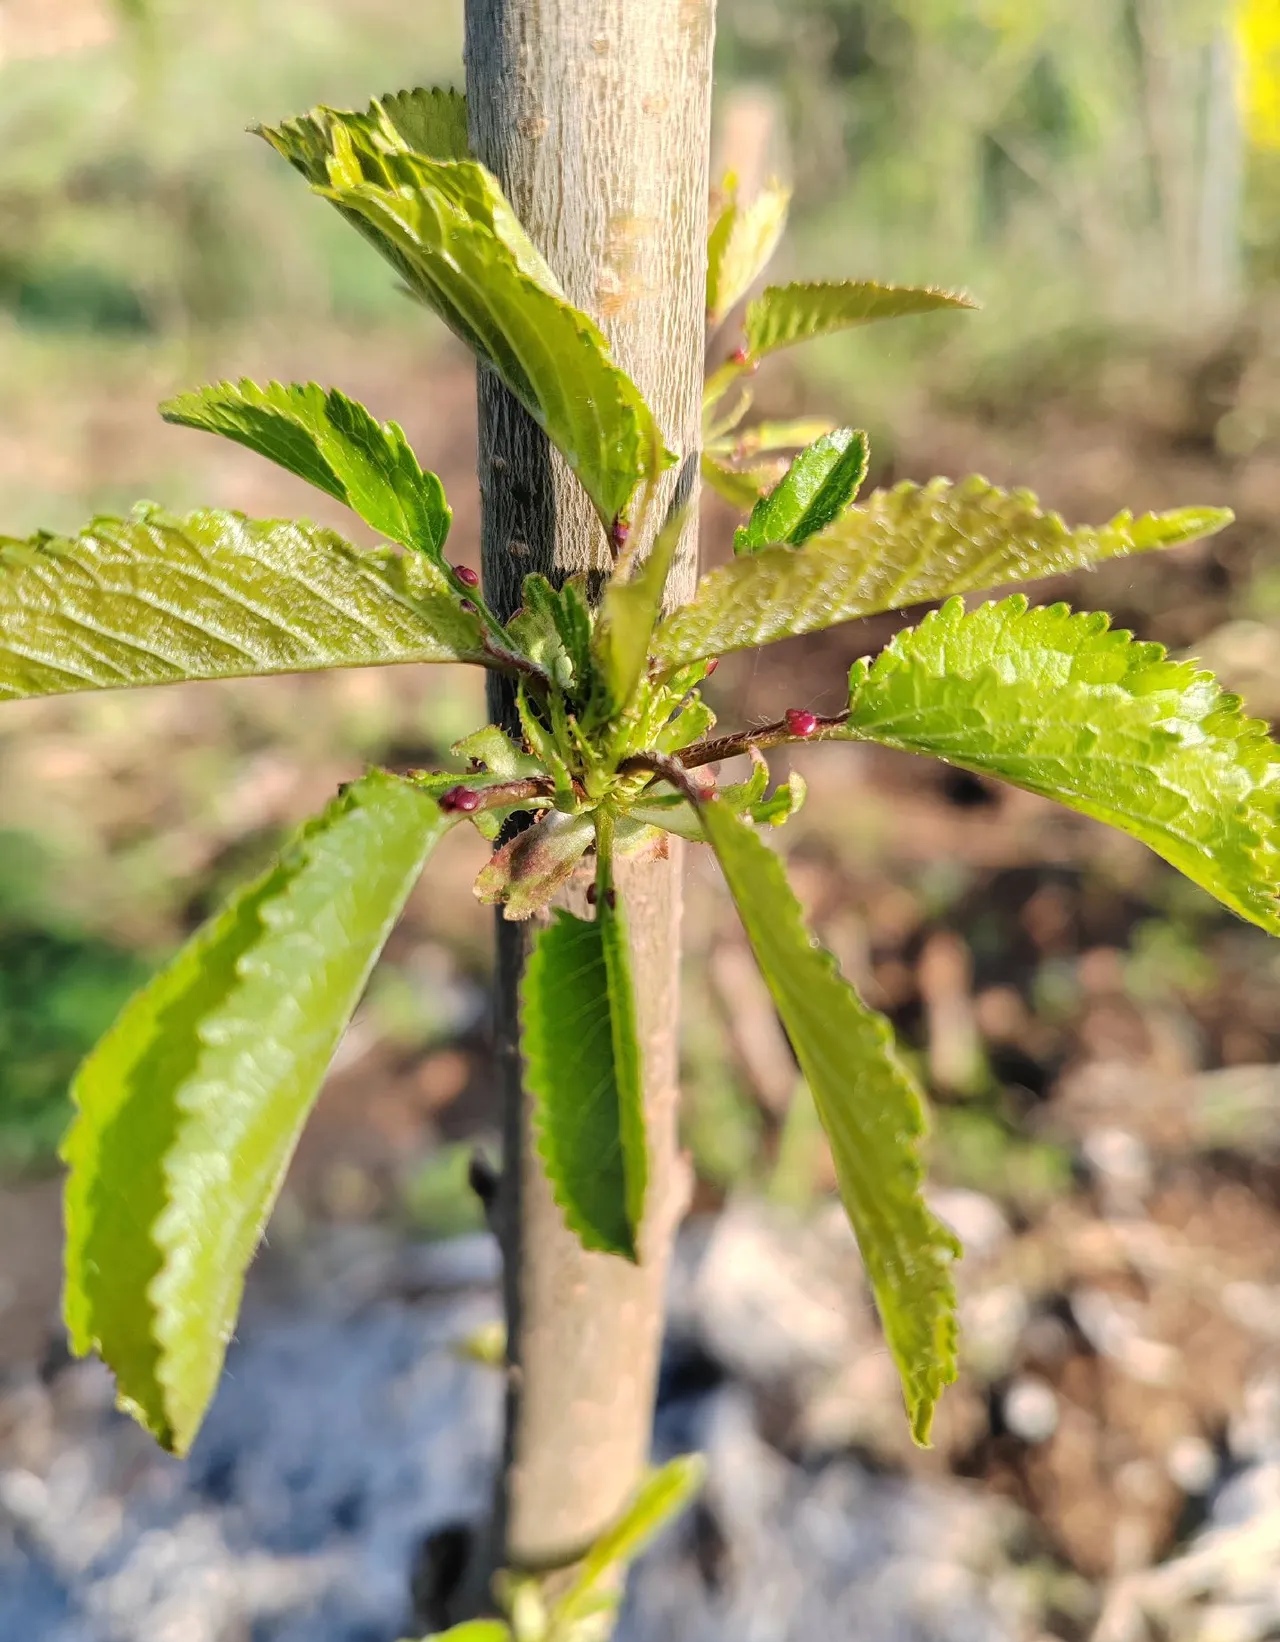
(786,314)
(815,490)
(1064,705)
(190,1107)
(740,245)
(900,547)
(156,599)
(333,443)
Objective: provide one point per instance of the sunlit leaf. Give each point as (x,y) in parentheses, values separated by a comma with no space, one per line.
(870,1108)
(190,1107)
(155,599)
(1064,706)
(660,1499)
(333,443)
(475,1630)
(582,1057)
(741,242)
(785,314)
(741,487)
(815,490)
(444,225)
(901,547)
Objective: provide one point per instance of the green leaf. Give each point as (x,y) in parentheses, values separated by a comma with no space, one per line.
(900,547)
(190,1107)
(475,1630)
(577,1014)
(333,443)
(527,871)
(430,121)
(785,314)
(1062,705)
(769,438)
(742,240)
(659,1500)
(628,615)
(817,487)
(445,226)
(870,1108)
(740,487)
(155,599)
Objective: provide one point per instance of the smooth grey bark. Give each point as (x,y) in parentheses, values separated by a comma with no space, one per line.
(595,116)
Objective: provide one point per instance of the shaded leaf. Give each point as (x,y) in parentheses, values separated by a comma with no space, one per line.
(742,240)
(815,490)
(333,443)
(786,314)
(155,599)
(525,873)
(190,1107)
(445,226)
(577,1015)
(660,1499)
(870,1108)
(1064,706)
(900,547)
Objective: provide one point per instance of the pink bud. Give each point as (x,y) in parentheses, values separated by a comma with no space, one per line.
(466,604)
(743,360)
(800,721)
(619,530)
(459,800)
(712,665)
(466,575)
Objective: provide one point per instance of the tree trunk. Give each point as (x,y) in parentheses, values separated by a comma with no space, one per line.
(595,116)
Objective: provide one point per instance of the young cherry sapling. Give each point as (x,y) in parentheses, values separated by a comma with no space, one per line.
(189,1109)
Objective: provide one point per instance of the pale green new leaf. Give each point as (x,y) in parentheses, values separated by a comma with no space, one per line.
(740,487)
(155,599)
(582,1058)
(445,226)
(659,1500)
(431,121)
(1062,705)
(189,1109)
(474,1630)
(742,240)
(870,1108)
(629,612)
(901,547)
(815,490)
(333,443)
(785,314)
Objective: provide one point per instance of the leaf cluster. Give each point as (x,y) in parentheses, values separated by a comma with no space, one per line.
(189,1108)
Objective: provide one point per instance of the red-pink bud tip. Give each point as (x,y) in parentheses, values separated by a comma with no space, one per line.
(711,666)
(466,575)
(459,800)
(466,604)
(743,360)
(800,721)
(619,530)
